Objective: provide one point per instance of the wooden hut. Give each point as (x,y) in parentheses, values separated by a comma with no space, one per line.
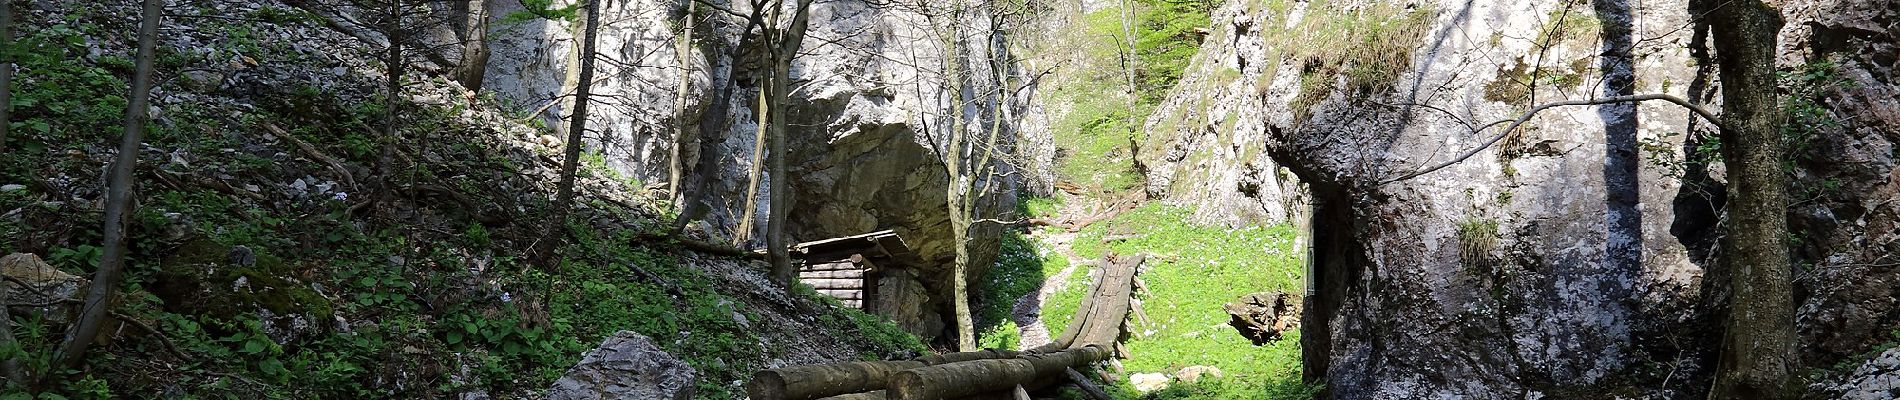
(848,268)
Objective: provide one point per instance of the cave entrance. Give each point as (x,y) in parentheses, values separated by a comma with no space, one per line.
(1335,258)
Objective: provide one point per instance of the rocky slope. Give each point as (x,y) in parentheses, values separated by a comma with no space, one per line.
(867,114)
(1576,257)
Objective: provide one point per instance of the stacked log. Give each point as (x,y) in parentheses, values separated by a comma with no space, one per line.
(822,380)
(954,380)
(1090,338)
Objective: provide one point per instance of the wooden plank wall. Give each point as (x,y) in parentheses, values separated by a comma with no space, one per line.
(844,280)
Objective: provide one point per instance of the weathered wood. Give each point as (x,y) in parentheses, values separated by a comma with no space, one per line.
(986,354)
(841,379)
(844,266)
(834,283)
(822,380)
(843,294)
(1099,319)
(871,395)
(838,274)
(1088,386)
(968,378)
(1111,303)
(1076,323)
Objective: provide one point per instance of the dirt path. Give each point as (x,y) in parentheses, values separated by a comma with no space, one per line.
(1027,312)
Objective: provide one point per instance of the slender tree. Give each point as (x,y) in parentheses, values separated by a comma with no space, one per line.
(1758,342)
(577,124)
(777,249)
(10,366)
(6,72)
(393,62)
(684,49)
(105,282)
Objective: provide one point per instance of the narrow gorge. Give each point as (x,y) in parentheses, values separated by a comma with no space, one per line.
(1021,199)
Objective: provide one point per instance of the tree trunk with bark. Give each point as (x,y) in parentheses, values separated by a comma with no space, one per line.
(675,165)
(1758,342)
(105,282)
(473,34)
(564,194)
(777,248)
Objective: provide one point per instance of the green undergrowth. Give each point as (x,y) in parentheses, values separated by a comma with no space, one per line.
(1022,265)
(1192,270)
(1103,114)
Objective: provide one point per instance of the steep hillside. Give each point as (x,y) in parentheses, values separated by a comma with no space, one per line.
(272,259)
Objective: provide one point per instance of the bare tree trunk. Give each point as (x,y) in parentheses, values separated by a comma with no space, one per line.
(958,191)
(6,72)
(577,125)
(473,67)
(758,167)
(1759,339)
(676,166)
(105,282)
(392,93)
(777,248)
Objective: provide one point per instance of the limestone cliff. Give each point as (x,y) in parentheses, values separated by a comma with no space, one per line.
(1578,253)
(867,113)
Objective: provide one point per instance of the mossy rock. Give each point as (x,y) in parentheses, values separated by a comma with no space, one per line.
(200,278)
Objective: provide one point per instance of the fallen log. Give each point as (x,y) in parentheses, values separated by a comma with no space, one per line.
(1099,319)
(838,379)
(959,379)
(823,380)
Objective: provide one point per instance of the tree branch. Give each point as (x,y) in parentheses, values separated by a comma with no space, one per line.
(1533,112)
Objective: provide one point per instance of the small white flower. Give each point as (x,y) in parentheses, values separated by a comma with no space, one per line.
(505,297)
(340,196)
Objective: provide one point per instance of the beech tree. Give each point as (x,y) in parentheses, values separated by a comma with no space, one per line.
(1758,342)
(105,281)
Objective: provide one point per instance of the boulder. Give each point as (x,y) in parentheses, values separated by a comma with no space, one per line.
(1148,382)
(44,284)
(1263,316)
(1196,373)
(626,366)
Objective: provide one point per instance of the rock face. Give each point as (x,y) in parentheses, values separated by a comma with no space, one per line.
(626,366)
(1878,378)
(1575,254)
(868,116)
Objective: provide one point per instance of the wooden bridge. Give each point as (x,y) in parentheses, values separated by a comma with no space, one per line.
(1091,337)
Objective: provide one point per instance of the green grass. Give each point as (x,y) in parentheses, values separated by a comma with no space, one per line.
(1194,270)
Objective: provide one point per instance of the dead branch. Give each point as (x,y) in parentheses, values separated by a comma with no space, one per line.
(315,154)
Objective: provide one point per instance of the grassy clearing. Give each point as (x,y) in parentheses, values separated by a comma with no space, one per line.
(1193,271)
